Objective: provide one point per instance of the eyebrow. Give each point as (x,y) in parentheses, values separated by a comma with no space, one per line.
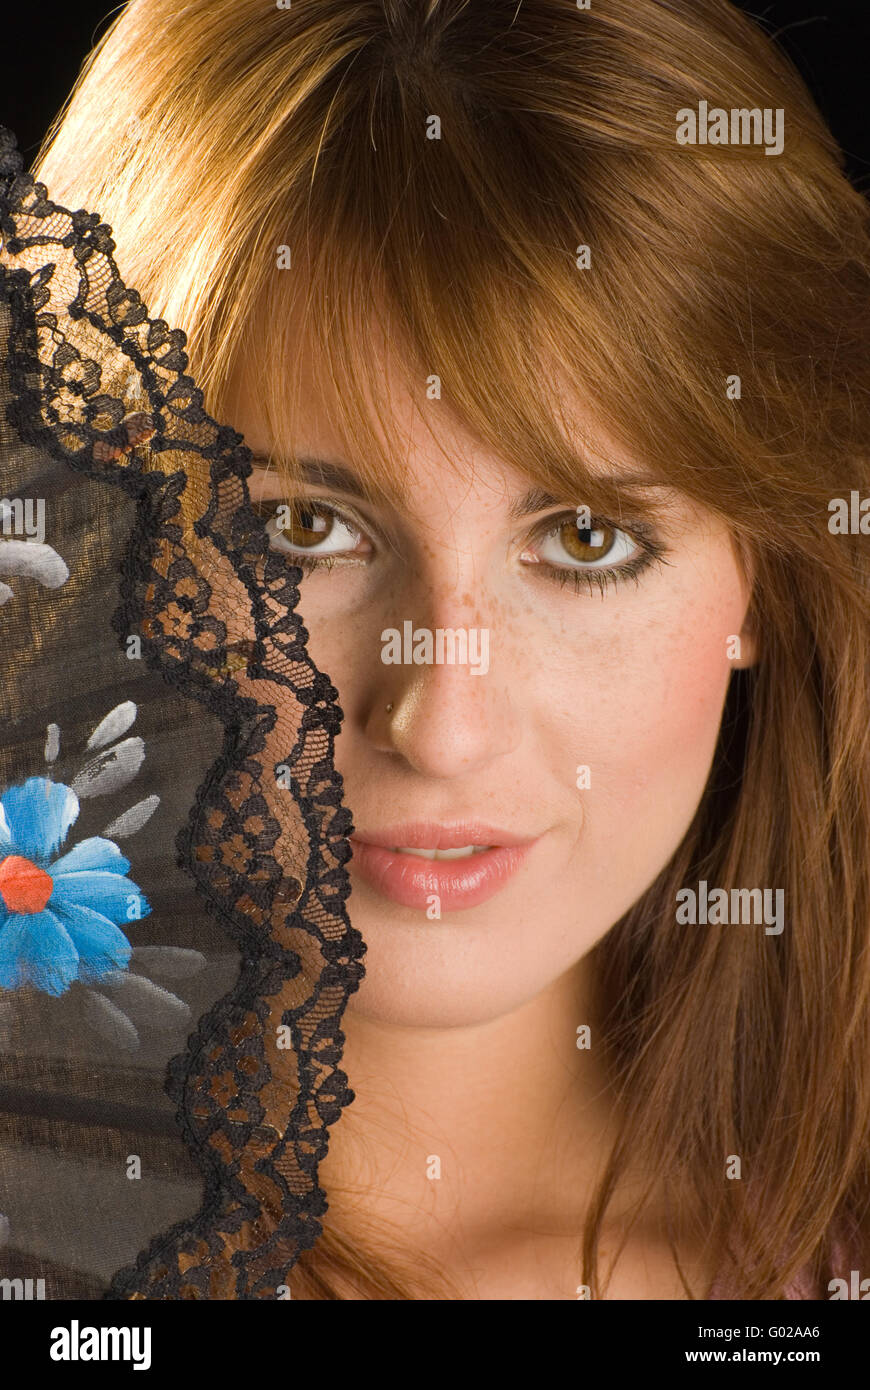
(537,500)
(321,473)
(326,473)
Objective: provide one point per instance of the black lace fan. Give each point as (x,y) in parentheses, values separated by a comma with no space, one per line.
(175,953)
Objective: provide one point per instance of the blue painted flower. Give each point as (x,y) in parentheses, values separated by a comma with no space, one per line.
(59,917)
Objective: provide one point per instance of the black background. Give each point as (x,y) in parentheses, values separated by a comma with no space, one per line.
(829,40)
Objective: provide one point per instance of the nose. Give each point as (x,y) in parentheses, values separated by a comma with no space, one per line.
(446,718)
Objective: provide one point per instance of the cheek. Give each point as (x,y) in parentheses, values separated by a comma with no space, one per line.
(644,716)
(342,634)
(657,754)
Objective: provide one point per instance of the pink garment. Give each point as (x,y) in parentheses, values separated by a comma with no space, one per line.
(801,1287)
(804,1286)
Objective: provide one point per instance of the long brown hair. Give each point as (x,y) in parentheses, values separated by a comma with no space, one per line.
(434,167)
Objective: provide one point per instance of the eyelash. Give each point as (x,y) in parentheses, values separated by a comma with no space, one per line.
(600,580)
(651,550)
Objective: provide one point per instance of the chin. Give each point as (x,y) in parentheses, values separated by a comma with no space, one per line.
(455,975)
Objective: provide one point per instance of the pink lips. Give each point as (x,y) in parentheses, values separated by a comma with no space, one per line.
(457,883)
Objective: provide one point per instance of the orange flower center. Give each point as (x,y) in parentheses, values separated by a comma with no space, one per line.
(24,887)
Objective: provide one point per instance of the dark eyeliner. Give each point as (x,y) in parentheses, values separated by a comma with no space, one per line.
(600,578)
(267,510)
(591,578)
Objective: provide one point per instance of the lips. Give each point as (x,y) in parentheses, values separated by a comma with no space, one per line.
(458,880)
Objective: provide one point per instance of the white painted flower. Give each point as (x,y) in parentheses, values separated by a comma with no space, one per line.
(31,559)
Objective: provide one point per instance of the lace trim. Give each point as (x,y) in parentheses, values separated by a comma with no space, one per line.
(216,610)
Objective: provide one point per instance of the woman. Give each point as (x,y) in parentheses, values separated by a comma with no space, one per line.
(506,329)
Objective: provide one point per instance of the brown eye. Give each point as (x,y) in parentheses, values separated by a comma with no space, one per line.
(578,542)
(309,527)
(302,524)
(589,543)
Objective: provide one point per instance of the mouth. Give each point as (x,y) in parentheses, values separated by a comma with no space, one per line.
(464,853)
(438,867)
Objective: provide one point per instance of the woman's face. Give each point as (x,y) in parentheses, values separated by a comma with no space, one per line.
(584,652)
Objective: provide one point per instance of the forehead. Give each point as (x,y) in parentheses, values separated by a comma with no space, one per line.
(360,399)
